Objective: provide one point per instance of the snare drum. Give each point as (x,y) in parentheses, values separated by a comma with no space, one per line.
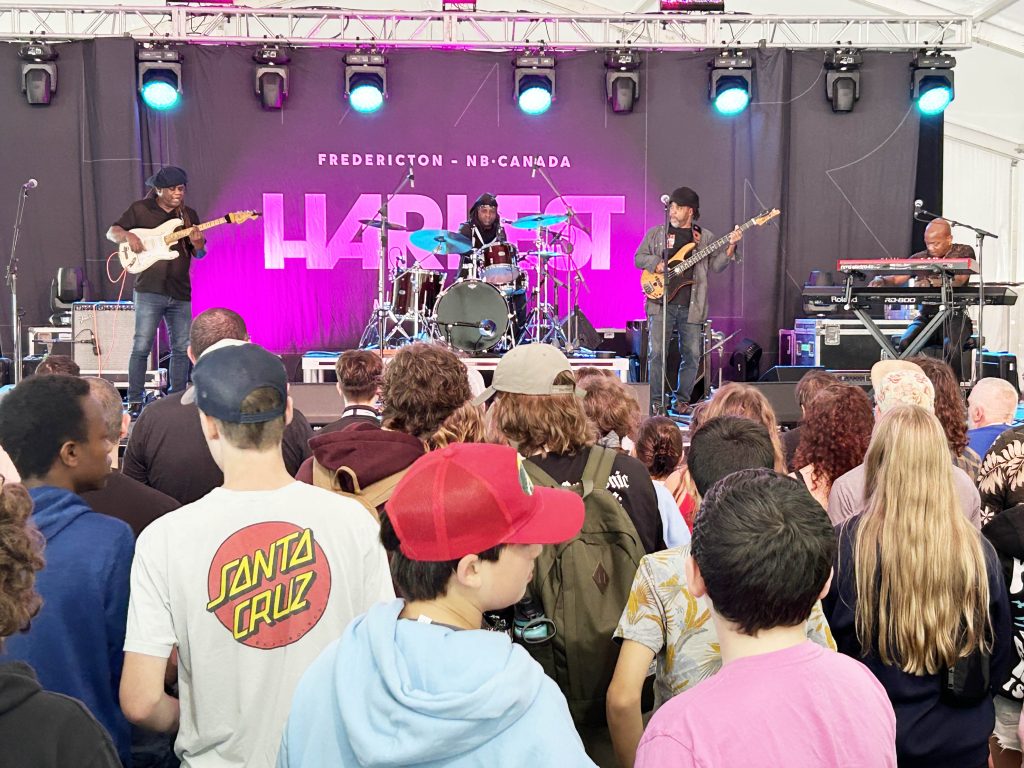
(472,315)
(499,263)
(412,282)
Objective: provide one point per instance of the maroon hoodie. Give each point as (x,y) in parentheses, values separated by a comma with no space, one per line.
(369,451)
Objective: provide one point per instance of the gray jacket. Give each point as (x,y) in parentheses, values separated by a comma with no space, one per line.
(649,254)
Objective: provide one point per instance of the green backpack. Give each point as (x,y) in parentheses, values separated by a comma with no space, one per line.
(583,585)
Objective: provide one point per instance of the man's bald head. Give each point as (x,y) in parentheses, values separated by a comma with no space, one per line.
(938,238)
(992,401)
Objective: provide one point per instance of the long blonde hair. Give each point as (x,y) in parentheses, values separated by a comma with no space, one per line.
(736,399)
(922,584)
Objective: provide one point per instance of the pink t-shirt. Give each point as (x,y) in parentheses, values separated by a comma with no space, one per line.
(801,707)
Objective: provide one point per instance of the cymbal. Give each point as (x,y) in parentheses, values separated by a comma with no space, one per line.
(440,241)
(375,223)
(539,220)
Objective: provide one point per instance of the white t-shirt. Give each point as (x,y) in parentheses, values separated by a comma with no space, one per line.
(250,586)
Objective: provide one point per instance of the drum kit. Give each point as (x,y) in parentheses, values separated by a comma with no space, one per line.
(476,313)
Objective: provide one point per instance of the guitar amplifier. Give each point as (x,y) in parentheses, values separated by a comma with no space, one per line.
(102,333)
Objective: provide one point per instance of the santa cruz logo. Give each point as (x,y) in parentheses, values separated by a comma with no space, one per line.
(269,584)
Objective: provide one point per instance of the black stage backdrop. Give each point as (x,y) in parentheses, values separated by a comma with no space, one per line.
(845,183)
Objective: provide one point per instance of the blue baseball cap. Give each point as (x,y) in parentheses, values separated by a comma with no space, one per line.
(225,376)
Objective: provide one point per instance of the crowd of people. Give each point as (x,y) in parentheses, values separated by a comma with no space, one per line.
(526,572)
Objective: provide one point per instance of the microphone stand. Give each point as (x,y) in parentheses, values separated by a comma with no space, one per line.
(382,216)
(664,315)
(571,296)
(980,235)
(11,278)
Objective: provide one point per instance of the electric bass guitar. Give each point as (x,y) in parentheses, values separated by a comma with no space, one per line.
(653,284)
(157,243)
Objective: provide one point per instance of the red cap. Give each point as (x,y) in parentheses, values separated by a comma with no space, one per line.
(469,497)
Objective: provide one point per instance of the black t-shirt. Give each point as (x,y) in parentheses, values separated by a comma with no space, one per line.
(629,482)
(353,414)
(480,236)
(676,239)
(167,450)
(956,251)
(169,278)
(131,501)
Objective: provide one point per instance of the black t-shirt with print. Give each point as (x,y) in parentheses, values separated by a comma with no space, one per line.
(169,278)
(629,482)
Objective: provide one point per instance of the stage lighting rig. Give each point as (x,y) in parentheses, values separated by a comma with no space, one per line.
(693,6)
(159,68)
(534,82)
(731,80)
(842,78)
(271,76)
(931,82)
(38,72)
(622,81)
(366,80)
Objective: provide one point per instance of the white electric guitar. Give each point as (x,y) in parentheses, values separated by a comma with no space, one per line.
(157,243)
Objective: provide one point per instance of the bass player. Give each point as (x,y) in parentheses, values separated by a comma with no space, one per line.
(164,290)
(687,296)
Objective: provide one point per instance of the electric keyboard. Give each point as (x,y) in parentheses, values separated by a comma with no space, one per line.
(830,298)
(902,266)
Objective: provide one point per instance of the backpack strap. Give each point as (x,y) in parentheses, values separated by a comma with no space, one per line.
(377,493)
(598,469)
(539,476)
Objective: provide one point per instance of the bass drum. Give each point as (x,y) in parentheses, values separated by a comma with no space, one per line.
(472,316)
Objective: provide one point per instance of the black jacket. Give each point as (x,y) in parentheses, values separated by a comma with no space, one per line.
(39,729)
(1006,532)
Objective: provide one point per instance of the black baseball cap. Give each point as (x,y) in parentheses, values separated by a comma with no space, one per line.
(225,376)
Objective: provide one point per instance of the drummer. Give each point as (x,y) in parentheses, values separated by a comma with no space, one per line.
(484,228)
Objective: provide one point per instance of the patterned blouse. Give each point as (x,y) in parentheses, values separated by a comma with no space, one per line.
(1001,477)
(662,615)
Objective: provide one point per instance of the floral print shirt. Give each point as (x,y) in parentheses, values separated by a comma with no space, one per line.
(1001,477)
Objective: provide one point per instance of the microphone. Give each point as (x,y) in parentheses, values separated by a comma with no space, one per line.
(412,177)
(918,205)
(533,166)
(665,199)
(30,184)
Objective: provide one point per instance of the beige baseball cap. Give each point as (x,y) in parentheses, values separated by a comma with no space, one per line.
(530,369)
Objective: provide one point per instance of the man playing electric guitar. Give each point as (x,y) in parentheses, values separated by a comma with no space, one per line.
(687,295)
(164,290)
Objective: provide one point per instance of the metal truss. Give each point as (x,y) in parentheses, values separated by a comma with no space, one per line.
(478,30)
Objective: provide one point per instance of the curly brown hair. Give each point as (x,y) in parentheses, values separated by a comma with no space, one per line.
(950,407)
(21,555)
(359,374)
(836,433)
(610,406)
(659,446)
(422,386)
(738,399)
(541,423)
(465,425)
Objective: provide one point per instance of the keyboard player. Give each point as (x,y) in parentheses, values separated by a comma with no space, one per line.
(947,342)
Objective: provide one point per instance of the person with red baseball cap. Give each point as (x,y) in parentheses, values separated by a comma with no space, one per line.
(421,681)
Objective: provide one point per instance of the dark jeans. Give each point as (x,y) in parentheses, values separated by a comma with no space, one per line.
(689,351)
(946,343)
(150,309)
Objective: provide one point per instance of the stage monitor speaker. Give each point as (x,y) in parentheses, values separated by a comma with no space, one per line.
(782,397)
(586,334)
(1000,365)
(789,372)
(320,403)
(102,333)
(615,340)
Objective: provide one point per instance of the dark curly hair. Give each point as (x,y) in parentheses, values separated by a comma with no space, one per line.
(423,385)
(836,433)
(950,408)
(659,446)
(21,555)
(38,416)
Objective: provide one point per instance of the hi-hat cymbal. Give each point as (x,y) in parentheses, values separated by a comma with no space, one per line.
(440,241)
(375,223)
(538,220)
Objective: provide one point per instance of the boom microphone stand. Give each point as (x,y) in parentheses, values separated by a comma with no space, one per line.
(664,313)
(11,277)
(381,311)
(980,235)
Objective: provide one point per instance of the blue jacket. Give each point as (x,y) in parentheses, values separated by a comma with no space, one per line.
(394,692)
(76,642)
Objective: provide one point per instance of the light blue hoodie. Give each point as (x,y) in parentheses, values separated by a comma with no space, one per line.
(394,692)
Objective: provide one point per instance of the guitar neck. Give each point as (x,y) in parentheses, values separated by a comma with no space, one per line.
(709,249)
(183,233)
